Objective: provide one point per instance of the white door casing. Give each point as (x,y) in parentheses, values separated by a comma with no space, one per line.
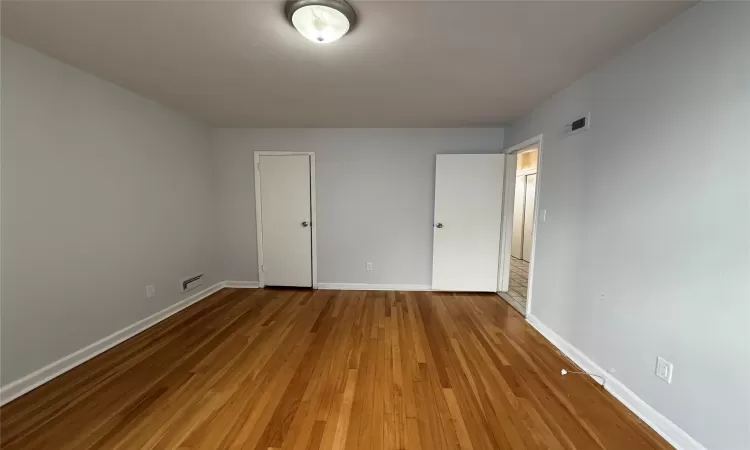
(506,233)
(285,219)
(468,213)
(534,142)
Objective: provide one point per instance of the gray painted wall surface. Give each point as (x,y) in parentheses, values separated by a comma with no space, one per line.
(103,193)
(646,251)
(375,190)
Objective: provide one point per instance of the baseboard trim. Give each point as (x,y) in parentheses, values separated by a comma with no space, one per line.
(374,287)
(37,378)
(242,284)
(663,426)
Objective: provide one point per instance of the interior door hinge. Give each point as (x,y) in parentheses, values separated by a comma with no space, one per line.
(258,166)
(262,268)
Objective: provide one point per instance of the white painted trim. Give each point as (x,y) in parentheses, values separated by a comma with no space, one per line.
(313,214)
(242,284)
(37,378)
(314,221)
(375,287)
(663,426)
(434,219)
(536,141)
(524,145)
(258,219)
(506,223)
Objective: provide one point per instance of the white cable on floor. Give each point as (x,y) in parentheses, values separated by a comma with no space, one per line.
(565,372)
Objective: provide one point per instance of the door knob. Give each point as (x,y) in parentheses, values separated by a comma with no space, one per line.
(439,225)
(305,224)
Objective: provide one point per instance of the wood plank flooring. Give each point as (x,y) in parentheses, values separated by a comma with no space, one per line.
(300,369)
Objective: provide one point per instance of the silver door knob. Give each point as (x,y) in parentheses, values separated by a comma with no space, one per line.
(305,224)
(439,225)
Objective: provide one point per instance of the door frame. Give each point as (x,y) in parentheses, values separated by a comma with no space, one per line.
(506,233)
(259,214)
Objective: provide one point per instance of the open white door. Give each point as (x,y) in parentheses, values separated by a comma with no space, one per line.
(285,250)
(468,213)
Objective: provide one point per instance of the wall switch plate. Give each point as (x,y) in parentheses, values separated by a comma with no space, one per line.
(664,369)
(544,215)
(150,291)
(368,266)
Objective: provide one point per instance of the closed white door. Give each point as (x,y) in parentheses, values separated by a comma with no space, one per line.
(528,216)
(286,227)
(468,212)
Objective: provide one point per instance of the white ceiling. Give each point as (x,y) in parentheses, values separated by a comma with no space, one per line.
(406,64)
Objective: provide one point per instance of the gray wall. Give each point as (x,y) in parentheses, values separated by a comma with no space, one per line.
(374,196)
(103,193)
(646,251)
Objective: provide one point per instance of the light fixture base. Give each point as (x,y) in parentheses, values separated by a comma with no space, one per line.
(292,6)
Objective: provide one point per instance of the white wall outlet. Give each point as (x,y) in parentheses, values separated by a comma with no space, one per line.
(664,369)
(368,267)
(150,291)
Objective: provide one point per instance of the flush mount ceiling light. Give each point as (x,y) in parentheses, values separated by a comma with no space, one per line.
(321,21)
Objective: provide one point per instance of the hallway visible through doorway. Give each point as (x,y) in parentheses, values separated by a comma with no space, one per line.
(519,284)
(515,284)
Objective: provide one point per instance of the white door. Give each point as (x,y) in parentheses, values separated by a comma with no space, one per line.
(468,212)
(528,216)
(286,228)
(516,245)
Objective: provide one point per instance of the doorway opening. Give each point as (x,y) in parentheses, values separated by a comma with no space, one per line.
(520,211)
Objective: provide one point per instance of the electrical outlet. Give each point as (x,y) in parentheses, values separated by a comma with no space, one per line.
(150,291)
(368,266)
(664,369)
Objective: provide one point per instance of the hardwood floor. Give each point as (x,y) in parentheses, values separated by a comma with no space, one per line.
(299,369)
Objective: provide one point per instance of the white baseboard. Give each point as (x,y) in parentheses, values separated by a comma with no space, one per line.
(343,286)
(241,284)
(374,287)
(665,427)
(37,378)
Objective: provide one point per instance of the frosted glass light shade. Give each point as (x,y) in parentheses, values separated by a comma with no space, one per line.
(322,22)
